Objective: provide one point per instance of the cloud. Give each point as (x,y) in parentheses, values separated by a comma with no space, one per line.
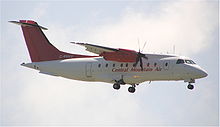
(187,25)
(30,98)
(39,11)
(49,100)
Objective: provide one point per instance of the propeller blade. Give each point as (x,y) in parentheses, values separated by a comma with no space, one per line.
(138,45)
(145,57)
(137,60)
(143,46)
(141,64)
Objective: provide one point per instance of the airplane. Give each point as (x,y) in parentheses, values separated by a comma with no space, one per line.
(117,66)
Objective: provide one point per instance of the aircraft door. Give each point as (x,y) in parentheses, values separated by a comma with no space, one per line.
(166,65)
(88,70)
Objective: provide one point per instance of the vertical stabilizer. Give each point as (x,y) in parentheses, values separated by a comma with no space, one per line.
(39,47)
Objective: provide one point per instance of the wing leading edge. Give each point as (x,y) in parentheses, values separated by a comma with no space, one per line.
(96,48)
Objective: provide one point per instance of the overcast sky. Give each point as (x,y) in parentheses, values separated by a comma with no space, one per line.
(30,98)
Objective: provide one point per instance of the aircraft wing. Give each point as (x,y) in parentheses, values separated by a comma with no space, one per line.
(112,54)
(96,48)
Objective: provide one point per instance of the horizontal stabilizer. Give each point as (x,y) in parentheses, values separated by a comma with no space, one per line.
(28,23)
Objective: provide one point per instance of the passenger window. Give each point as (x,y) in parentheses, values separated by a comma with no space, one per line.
(193,62)
(188,61)
(133,65)
(126,65)
(122,65)
(180,61)
(99,65)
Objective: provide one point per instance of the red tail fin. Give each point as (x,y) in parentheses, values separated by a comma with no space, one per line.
(39,47)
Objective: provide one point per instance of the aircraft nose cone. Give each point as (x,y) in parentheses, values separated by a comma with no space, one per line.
(198,72)
(203,73)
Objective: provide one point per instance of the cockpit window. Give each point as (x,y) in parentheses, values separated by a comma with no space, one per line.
(189,62)
(180,61)
(193,62)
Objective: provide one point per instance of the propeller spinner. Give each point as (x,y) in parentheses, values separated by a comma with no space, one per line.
(139,57)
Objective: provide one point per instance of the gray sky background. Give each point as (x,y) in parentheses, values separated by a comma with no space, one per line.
(30,98)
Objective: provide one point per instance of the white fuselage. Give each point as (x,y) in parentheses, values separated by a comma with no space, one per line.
(139,67)
(157,67)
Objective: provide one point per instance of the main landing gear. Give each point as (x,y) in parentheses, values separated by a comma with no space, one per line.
(118,83)
(116,86)
(131,89)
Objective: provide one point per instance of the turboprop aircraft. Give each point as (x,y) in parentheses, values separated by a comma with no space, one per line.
(111,65)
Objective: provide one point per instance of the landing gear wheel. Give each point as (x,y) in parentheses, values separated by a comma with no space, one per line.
(131,89)
(116,86)
(190,86)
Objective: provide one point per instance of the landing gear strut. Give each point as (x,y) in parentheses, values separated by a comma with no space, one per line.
(131,89)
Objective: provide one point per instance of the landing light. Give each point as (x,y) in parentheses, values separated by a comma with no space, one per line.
(136,76)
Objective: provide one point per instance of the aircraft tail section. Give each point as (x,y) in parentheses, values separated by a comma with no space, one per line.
(39,47)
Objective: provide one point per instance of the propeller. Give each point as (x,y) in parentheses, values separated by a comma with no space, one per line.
(140,56)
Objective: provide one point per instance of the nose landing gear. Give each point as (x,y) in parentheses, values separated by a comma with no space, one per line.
(190,86)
